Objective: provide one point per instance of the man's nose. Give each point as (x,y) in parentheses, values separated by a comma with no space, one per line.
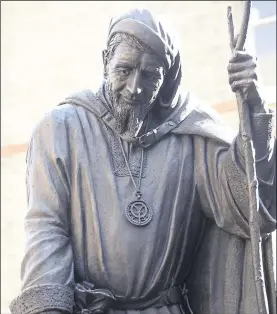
(133,84)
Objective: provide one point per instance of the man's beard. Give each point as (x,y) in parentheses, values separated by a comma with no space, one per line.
(129,118)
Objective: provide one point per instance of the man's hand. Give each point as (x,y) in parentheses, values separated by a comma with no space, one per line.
(243,76)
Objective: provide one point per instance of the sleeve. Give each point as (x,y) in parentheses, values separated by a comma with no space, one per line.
(47,268)
(222,182)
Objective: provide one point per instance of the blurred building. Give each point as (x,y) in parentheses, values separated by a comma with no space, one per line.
(51,49)
(262,42)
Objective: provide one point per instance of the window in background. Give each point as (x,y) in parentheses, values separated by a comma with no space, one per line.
(264,27)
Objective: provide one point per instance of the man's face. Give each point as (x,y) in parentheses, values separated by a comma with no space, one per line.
(134,79)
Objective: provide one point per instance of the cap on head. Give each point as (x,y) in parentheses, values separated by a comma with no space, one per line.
(148,29)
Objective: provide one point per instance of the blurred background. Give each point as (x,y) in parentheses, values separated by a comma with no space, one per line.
(50,49)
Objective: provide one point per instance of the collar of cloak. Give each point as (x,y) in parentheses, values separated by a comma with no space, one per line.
(188,118)
(173,111)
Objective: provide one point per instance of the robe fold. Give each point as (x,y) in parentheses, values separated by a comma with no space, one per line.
(193,179)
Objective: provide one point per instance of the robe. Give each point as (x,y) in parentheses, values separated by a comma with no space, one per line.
(193,179)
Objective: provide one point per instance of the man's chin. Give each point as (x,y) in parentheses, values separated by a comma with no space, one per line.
(129,132)
(129,122)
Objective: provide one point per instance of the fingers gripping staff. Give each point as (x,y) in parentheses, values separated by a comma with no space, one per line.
(237,83)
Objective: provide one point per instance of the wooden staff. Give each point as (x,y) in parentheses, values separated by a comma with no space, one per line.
(250,167)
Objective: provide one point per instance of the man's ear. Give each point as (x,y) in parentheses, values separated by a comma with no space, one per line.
(105,61)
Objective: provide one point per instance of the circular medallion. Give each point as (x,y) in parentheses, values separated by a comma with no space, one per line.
(139,213)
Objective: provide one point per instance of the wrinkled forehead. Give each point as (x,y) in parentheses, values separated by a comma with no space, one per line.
(127,55)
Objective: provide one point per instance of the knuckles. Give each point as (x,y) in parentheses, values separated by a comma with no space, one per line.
(249,87)
(243,83)
(241,66)
(242,70)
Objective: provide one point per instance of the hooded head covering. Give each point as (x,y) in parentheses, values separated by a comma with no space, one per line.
(141,24)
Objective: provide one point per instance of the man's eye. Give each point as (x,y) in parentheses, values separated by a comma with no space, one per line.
(150,76)
(124,72)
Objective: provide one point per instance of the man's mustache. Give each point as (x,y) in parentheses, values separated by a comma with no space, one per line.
(126,95)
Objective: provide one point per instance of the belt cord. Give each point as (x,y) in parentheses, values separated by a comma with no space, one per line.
(188,305)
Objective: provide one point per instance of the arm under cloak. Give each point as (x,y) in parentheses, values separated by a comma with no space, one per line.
(222,183)
(47,268)
(221,279)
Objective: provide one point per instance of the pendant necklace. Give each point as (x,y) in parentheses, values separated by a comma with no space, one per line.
(137,212)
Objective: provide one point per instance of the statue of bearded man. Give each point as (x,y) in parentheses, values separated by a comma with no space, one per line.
(138,196)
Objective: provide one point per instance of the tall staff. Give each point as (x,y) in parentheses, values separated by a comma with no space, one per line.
(249,153)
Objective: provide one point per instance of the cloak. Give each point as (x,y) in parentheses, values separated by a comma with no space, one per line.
(220,280)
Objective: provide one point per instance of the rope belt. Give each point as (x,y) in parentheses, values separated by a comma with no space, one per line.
(173,295)
(90,300)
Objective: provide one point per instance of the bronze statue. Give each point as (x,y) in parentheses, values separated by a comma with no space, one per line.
(137,195)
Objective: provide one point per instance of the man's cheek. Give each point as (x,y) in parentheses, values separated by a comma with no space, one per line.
(153,95)
(115,81)
(156,87)
(117,86)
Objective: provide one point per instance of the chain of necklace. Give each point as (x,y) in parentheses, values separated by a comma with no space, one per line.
(137,187)
(137,212)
